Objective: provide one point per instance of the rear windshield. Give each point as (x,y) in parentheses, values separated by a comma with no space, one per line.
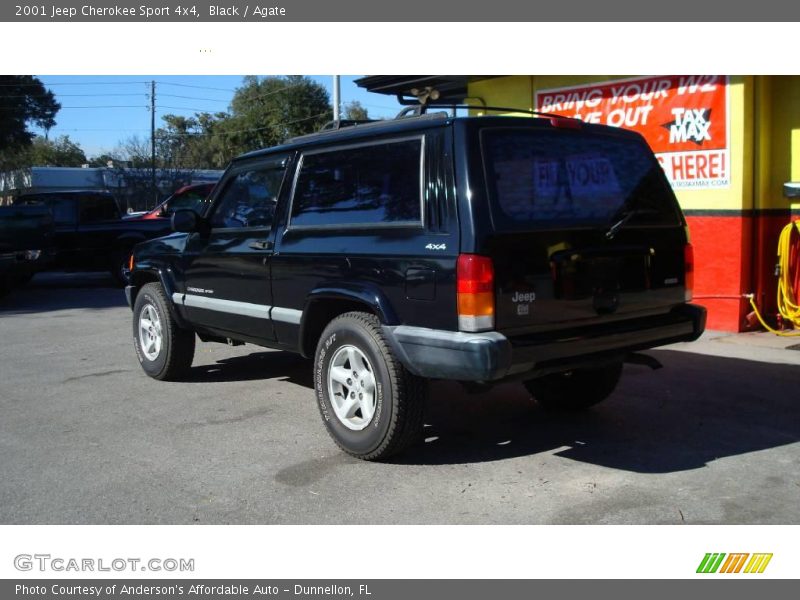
(565,178)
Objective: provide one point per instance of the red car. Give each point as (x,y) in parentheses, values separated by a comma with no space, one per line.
(188,197)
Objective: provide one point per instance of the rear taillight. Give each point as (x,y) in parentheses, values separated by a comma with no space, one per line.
(130,262)
(688,265)
(475,288)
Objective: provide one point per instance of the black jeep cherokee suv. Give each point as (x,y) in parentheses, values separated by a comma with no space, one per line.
(477,249)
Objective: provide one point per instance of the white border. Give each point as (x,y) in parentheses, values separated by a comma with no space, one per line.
(347,48)
(410,552)
(510,48)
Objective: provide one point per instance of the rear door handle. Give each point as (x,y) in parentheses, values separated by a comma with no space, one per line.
(261,245)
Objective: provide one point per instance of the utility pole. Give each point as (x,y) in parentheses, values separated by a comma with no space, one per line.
(153,141)
(336,98)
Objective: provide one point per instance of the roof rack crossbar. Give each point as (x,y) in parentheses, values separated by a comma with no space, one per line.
(421,109)
(339,123)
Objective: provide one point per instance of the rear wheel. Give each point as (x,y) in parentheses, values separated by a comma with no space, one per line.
(164,350)
(577,389)
(371,405)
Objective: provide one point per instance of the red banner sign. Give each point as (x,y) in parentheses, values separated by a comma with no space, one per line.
(684,118)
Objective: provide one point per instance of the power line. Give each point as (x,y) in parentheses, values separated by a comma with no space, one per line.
(200,110)
(107,106)
(94,106)
(197,87)
(57,129)
(256,97)
(199,134)
(193,98)
(224,133)
(69,95)
(43,84)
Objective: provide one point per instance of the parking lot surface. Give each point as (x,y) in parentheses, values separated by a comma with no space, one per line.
(86,437)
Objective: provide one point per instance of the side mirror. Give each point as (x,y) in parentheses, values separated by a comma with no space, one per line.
(187,221)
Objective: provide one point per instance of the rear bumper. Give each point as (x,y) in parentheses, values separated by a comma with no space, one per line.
(491,356)
(451,354)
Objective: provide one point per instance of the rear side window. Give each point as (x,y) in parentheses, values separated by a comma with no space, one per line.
(542,179)
(373,185)
(94,208)
(64,210)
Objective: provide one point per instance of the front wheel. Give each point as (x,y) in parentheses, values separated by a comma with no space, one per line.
(577,389)
(164,350)
(371,405)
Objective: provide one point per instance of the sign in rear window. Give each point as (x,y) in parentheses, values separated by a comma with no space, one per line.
(546,178)
(684,118)
(589,178)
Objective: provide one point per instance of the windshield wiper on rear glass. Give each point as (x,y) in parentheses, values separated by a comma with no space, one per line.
(627,216)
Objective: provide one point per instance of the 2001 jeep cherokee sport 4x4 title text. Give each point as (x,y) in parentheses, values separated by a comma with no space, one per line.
(477,249)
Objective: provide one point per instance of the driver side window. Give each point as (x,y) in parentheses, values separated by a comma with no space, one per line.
(249,199)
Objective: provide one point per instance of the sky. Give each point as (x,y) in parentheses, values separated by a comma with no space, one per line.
(98,112)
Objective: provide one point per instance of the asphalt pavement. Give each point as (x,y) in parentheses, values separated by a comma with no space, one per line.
(87,437)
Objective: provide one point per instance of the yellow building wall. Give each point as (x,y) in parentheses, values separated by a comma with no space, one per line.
(778,117)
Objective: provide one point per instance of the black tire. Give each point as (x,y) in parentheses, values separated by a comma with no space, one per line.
(119,268)
(176,351)
(577,389)
(398,399)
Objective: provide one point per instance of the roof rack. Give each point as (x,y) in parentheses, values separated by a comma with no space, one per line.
(421,109)
(418,111)
(332,126)
(331,129)
(339,123)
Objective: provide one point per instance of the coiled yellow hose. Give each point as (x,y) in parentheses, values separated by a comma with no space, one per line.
(787,296)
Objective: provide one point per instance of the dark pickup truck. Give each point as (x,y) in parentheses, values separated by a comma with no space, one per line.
(27,243)
(90,234)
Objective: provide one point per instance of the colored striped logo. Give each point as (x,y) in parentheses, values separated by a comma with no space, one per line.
(719,562)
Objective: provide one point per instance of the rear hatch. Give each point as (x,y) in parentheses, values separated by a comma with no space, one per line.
(584,226)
